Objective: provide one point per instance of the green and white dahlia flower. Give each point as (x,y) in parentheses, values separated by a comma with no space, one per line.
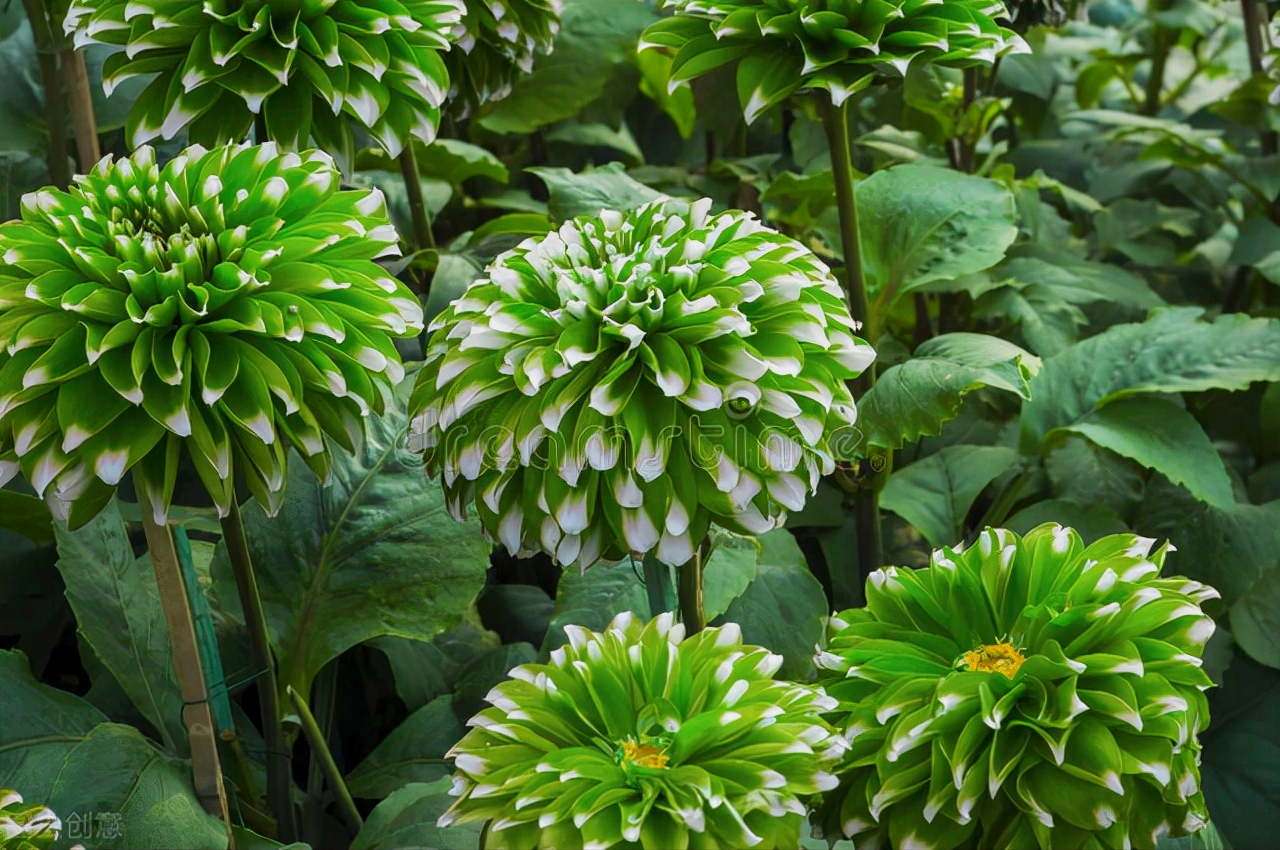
(305,65)
(641,738)
(620,385)
(785,46)
(226,306)
(1026,692)
(494,42)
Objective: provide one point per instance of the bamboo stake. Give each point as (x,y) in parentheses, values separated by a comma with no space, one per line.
(196,713)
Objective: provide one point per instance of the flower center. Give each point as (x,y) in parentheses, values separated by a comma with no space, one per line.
(642,755)
(1001,658)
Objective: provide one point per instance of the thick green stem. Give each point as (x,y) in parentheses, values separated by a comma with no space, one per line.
(1254,24)
(657,578)
(835,120)
(1161,43)
(278,758)
(422,235)
(55,112)
(320,752)
(689,591)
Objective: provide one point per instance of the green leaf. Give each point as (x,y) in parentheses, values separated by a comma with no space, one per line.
(454,273)
(1162,436)
(25,514)
(1255,618)
(56,748)
(935,494)
(20,173)
(1170,352)
(591,600)
(413,752)
(118,613)
(518,612)
(655,72)
(22,121)
(920,225)
(1074,279)
(372,552)
(1258,245)
(406,820)
(914,399)
(1229,548)
(1086,474)
(1090,521)
(596,40)
(597,135)
(728,572)
(424,670)
(784,608)
(587,193)
(450,161)
(1241,757)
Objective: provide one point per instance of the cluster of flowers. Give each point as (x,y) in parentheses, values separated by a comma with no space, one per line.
(1025,692)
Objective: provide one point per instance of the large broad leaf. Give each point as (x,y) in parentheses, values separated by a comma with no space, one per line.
(935,494)
(920,225)
(590,192)
(596,39)
(729,571)
(1075,279)
(55,748)
(448,160)
(1255,618)
(1162,436)
(1241,759)
(373,552)
(1170,352)
(119,615)
(914,399)
(424,670)
(413,752)
(1091,522)
(1086,474)
(784,608)
(22,122)
(593,598)
(27,515)
(1229,548)
(407,821)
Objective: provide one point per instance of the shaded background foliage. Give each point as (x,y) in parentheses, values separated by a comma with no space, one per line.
(1075,270)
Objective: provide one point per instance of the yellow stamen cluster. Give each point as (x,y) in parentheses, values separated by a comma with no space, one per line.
(643,755)
(997,658)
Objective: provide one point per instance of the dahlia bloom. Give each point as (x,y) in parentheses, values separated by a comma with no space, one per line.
(225,307)
(786,46)
(496,40)
(624,383)
(640,738)
(1025,692)
(300,64)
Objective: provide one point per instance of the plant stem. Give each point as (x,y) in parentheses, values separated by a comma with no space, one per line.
(835,120)
(320,752)
(324,692)
(657,577)
(80,106)
(422,235)
(1161,42)
(1254,24)
(54,111)
(689,591)
(279,769)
